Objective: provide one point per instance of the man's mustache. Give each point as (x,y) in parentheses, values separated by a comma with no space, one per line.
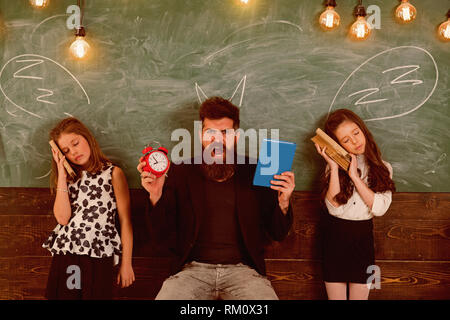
(217,148)
(215,145)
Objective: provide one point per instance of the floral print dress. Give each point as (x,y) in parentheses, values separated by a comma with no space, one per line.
(91,229)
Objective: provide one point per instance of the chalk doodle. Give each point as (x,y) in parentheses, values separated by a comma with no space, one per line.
(395,81)
(31,61)
(241,85)
(49,94)
(396,104)
(212,55)
(371,91)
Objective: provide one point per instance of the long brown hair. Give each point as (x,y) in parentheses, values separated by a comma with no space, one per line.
(97,159)
(378,177)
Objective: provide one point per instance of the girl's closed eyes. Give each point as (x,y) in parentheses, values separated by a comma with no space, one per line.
(76,148)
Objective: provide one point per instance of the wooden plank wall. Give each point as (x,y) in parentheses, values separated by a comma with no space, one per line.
(412,248)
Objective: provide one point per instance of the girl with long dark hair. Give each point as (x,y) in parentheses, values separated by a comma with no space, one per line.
(352,198)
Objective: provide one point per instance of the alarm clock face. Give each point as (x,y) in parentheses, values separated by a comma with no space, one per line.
(158,161)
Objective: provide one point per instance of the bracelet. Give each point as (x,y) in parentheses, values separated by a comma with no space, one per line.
(65,190)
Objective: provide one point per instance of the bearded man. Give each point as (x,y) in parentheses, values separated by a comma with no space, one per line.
(214,220)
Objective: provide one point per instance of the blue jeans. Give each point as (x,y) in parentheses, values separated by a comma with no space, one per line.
(204,281)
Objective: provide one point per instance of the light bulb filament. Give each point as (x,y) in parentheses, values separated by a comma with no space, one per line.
(79,48)
(39,3)
(447,32)
(80,51)
(360,31)
(406,14)
(329,20)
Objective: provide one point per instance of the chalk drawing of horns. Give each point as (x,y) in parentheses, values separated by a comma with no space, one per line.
(202,96)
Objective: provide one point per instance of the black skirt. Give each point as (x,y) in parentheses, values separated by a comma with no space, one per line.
(80,277)
(348,249)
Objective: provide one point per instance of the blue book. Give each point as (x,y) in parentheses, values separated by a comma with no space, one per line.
(275,157)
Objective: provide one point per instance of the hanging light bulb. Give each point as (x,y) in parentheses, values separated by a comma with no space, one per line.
(39,3)
(79,48)
(444,29)
(329,19)
(244,1)
(360,29)
(405,12)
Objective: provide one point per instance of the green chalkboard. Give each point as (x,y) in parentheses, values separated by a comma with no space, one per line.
(152,61)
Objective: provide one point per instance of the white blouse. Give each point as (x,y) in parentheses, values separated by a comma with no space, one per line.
(356,208)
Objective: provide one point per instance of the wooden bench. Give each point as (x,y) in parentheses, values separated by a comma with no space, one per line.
(412,248)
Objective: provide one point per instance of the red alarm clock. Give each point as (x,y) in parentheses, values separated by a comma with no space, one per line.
(156,161)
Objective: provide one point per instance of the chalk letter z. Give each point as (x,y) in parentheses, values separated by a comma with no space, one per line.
(49,94)
(371,91)
(27,67)
(414,68)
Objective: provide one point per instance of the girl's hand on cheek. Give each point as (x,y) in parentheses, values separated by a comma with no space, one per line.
(60,164)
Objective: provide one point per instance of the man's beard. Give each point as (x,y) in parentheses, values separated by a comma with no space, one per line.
(220,171)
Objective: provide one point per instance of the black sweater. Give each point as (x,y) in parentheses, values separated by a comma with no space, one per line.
(174,219)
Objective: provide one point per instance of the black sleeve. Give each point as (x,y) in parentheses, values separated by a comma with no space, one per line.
(160,219)
(277,224)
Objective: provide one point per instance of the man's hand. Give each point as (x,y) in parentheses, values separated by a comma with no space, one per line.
(151,183)
(285,185)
